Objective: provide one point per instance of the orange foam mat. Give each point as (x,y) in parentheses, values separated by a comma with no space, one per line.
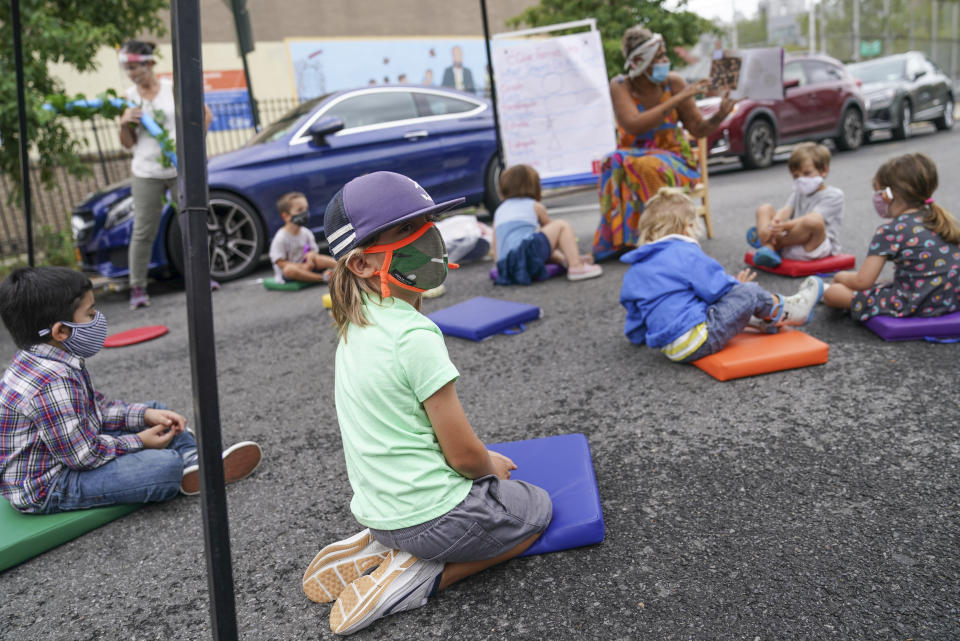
(752,353)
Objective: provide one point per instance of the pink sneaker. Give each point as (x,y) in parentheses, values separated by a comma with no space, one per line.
(139,298)
(585,272)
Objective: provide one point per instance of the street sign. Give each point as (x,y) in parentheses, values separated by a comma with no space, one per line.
(870,48)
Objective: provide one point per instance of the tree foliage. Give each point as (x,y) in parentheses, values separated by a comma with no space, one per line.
(679,28)
(58,31)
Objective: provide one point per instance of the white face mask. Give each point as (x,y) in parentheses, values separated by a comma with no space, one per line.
(806,185)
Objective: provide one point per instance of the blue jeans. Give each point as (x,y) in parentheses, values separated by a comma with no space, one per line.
(730,314)
(138,477)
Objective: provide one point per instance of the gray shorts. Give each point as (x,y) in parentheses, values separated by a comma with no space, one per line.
(495,517)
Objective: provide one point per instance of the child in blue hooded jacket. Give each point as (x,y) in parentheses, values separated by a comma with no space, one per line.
(682,301)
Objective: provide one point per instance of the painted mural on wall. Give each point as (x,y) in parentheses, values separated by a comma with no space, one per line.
(323,66)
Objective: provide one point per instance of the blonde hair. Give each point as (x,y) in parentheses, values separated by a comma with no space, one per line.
(913,177)
(670,211)
(812,151)
(346,294)
(520,181)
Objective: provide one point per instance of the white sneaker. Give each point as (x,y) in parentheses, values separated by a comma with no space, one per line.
(798,309)
(588,270)
(340,563)
(402,582)
(239,462)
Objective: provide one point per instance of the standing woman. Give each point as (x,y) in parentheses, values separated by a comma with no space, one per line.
(151,180)
(652,152)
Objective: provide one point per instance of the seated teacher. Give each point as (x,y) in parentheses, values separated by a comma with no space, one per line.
(651,151)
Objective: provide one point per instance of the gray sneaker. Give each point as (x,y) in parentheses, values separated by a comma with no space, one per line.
(402,582)
(798,309)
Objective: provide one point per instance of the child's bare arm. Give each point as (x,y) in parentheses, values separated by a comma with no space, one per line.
(542,216)
(461,447)
(865,277)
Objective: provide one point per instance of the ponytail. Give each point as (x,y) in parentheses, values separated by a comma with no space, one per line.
(913,177)
(942,223)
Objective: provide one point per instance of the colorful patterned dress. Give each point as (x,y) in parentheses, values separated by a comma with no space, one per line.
(926,274)
(634,173)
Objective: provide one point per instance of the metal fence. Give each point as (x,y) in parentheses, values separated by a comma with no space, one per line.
(109,162)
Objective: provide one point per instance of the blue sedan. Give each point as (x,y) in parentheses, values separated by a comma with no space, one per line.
(443,139)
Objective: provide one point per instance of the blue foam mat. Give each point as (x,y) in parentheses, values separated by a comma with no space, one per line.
(481,317)
(561,465)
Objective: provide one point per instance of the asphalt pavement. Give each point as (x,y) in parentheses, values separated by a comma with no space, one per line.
(819,503)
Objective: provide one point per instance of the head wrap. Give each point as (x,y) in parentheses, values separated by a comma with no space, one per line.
(646,51)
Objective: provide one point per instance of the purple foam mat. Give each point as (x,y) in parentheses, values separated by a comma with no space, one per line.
(553,269)
(916,328)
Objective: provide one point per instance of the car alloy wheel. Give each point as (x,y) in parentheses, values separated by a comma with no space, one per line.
(760,144)
(902,130)
(851,132)
(235,237)
(491,185)
(945,121)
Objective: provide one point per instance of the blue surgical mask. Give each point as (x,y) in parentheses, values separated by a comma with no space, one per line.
(86,339)
(659,71)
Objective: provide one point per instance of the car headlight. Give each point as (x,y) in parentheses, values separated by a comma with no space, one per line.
(78,224)
(879,98)
(119,213)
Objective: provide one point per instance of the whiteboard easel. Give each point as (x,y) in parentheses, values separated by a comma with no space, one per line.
(553,102)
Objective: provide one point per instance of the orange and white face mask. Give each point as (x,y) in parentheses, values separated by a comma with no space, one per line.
(417,263)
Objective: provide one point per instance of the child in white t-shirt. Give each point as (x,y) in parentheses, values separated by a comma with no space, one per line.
(807,227)
(294,252)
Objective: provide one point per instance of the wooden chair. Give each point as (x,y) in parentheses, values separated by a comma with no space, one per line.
(701,189)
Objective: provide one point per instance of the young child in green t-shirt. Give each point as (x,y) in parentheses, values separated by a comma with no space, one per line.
(438,505)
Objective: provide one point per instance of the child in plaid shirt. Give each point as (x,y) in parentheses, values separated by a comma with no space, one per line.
(62,445)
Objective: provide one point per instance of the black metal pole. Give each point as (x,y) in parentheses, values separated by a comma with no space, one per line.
(253,101)
(493,83)
(22,112)
(192,179)
(237,9)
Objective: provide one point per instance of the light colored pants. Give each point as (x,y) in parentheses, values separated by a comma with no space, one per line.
(147,210)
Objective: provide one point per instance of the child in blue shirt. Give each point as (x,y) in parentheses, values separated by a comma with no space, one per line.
(526,238)
(682,301)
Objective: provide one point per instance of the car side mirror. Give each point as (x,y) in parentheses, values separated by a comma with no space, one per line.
(790,84)
(323,127)
(917,74)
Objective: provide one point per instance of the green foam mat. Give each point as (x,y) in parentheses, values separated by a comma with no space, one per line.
(288,286)
(24,536)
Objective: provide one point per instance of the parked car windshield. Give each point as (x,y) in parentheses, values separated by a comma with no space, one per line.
(281,127)
(878,70)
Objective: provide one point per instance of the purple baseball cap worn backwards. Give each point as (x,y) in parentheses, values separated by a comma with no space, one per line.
(372,203)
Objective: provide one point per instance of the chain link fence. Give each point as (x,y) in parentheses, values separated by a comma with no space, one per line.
(109,163)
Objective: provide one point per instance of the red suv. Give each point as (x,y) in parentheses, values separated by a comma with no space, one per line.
(821,100)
